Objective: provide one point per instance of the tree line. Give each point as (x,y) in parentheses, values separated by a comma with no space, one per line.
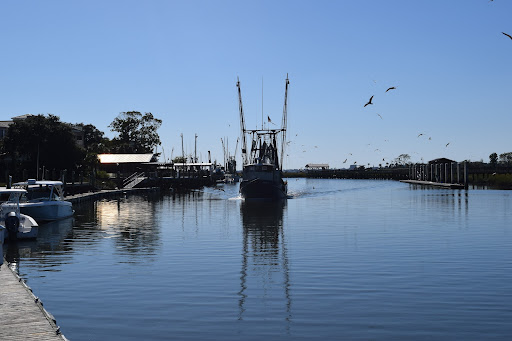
(39,141)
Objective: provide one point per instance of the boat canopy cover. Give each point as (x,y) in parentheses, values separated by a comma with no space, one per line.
(38,182)
(125,158)
(12,190)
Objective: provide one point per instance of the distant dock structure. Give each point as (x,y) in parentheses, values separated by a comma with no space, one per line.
(440,172)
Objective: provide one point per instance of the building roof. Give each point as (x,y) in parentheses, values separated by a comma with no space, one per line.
(441,160)
(5,124)
(125,158)
(21,117)
(317,165)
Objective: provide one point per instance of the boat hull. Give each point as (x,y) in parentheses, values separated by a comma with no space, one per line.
(258,189)
(47,210)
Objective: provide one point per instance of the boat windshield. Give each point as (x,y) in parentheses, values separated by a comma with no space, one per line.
(40,193)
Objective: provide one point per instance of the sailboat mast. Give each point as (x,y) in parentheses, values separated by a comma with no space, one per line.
(242,123)
(285,118)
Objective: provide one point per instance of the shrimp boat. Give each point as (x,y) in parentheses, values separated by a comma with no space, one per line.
(262,176)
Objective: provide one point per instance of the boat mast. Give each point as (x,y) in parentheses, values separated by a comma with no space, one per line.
(195,150)
(284,122)
(242,123)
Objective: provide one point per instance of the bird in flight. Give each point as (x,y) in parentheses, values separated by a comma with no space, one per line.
(508,35)
(420,134)
(380,116)
(345,161)
(391,88)
(447,144)
(369,102)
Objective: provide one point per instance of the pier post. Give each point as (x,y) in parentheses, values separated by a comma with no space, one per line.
(465,175)
(458,173)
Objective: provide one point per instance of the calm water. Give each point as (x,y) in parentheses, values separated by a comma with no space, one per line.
(341,259)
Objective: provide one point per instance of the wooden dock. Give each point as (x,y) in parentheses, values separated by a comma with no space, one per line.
(434,184)
(76,198)
(23,316)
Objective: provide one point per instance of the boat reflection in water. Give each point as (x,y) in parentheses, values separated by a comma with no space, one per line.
(53,238)
(264,279)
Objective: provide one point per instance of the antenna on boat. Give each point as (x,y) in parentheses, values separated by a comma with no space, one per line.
(285,119)
(262,103)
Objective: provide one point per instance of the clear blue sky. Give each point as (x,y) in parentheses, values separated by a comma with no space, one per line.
(451,65)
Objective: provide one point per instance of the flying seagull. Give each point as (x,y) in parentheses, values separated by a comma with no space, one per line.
(420,134)
(369,102)
(447,144)
(380,116)
(508,35)
(345,161)
(391,88)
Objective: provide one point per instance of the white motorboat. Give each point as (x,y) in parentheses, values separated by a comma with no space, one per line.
(43,200)
(15,225)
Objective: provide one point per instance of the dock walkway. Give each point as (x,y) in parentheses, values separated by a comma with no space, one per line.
(23,315)
(76,198)
(434,184)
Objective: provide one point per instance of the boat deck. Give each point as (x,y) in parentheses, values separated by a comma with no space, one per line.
(23,315)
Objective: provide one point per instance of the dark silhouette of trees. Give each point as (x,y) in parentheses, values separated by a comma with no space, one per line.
(94,143)
(44,141)
(137,133)
(493,159)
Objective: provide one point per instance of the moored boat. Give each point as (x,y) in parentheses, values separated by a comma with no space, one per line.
(43,200)
(15,225)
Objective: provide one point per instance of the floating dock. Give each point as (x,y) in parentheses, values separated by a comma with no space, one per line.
(23,315)
(434,184)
